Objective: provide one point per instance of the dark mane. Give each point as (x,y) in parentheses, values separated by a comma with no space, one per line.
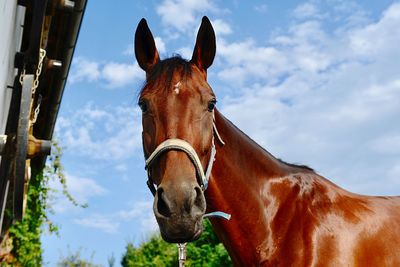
(163,72)
(296,165)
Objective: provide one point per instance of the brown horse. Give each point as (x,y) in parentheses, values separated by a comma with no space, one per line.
(282,214)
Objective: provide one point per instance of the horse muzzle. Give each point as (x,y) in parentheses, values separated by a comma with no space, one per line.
(179,211)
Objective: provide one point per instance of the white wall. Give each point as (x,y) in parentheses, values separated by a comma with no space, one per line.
(11,19)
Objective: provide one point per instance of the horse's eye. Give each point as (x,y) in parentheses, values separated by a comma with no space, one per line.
(143,106)
(211,105)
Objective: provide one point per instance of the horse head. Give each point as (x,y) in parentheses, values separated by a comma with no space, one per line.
(177,107)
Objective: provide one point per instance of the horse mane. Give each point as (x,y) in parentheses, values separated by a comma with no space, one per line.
(163,72)
(301,166)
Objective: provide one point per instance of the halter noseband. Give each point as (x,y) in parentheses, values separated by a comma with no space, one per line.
(182,145)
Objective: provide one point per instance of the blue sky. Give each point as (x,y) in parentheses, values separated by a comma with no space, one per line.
(314,82)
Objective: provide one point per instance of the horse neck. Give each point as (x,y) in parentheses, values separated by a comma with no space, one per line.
(241,172)
(241,165)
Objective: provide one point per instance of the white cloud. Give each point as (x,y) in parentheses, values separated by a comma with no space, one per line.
(137,209)
(160,45)
(120,74)
(129,51)
(84,70)
(246,61)
(121,167)
(109,74)
(307,46)
(321,95)
(302,48)
(378,38)
(221,27)
(348,13)
(99,222)
(183,15)
(140,211)
(107,133)
(82,189)
(306,10)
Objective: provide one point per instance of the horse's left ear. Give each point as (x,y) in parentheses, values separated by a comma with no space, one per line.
(204,50)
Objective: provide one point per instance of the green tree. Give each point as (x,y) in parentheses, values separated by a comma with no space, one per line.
(74,259)
(208,251)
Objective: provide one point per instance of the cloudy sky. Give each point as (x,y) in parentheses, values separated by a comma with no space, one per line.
(314,82)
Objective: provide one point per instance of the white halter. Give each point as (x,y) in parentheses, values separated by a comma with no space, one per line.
(182,145)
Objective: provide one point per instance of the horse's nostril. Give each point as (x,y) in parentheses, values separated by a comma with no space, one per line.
(162,204)
(194,199)
(199,198)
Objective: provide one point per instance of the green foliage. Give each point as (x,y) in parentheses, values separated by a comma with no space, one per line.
(74,259)
(207,251)
(55,171)
(25,235)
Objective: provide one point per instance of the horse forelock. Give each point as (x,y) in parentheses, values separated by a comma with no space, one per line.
(161,77)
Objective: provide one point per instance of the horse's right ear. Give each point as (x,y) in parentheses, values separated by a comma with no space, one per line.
(145,47)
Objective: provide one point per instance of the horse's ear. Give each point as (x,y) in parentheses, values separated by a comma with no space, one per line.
(204,50)
(145,47)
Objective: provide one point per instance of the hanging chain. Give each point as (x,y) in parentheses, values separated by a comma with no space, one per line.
(21,77)
(35,85)
(42,55)
(37,109)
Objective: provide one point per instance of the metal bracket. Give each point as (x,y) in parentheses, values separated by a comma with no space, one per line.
(181,254)
(22,146)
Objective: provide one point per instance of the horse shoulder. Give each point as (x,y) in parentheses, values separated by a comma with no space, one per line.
(320,224)
(356,230)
